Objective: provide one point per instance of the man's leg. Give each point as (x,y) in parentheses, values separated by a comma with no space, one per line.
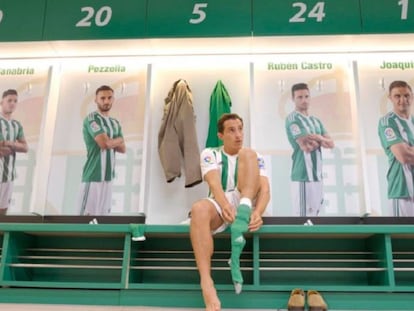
(248,180)
(238,227)
(404,207)
(88,199)
(105,203)
(6,189)
(314,198)
(204,220)
(298,207)
(248,175)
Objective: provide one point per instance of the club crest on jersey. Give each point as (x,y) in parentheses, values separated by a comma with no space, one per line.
(389,134)
(95,126)
(208,160)
(294,129)
(261,163)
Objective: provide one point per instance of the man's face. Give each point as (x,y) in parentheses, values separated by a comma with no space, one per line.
(401,98)
(232,136)
(301,98)
(8,104)
(104,100)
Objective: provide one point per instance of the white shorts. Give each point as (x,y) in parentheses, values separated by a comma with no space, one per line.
(6,190)
(402,207)
(234,199)
(95,198)
(307,198)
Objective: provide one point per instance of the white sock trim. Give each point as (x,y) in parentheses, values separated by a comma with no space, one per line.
(246,201)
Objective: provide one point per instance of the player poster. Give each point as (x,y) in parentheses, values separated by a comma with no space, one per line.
(375,73)
(30,80)
(78,82)
(332,101)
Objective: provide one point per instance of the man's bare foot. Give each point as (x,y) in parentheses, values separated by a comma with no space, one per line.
(211,299)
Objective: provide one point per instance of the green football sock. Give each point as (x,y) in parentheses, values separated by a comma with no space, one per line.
(137,231)
(237,228)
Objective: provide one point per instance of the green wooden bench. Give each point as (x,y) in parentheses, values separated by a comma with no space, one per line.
(357,266)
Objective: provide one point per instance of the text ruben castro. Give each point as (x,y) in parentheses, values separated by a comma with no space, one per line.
(297,66)
(321,65)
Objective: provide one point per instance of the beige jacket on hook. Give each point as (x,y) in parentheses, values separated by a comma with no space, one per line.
(177,137)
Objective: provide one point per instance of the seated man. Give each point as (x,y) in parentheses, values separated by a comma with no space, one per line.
(239,193)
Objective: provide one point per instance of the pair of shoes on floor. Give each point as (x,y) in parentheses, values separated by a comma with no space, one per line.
(297,301)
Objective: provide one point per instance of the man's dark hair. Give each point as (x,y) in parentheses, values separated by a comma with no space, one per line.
(9,92)
(299,86)
(227,116)
(103,88)
(398,83)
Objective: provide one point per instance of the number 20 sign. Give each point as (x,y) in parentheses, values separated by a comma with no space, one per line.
(81,19)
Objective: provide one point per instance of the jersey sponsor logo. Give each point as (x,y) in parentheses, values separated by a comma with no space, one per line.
(208,160)
(389,134)
(95,126)
(294,129)
(261,163)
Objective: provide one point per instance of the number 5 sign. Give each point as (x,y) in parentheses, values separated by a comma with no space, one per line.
(94,19)
(203,18)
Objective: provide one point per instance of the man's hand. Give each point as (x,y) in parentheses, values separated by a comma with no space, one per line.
(256,221)
(315,137)
(10,144)
(313,145)
(5,149)
(229,213)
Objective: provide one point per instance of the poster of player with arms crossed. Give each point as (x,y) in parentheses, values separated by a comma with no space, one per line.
(23,90)
(307,104)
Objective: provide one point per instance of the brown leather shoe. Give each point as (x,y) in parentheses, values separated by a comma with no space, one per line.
(316,302)
(296,300)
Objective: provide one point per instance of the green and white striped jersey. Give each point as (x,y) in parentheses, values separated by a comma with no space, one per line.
(10,130)
(306,166)
(393,129)
(100,164)
(227,165)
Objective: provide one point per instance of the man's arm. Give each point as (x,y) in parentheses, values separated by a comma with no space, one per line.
(104,142)
(403,153)
(20,145)
(327,141)
(4,150)
(121,148)
(324,140)
(307,144)
(392,139)
(7,147)
(262,199)
(311,142)
(214,182)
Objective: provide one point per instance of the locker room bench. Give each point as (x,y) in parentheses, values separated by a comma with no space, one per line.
(50,262)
